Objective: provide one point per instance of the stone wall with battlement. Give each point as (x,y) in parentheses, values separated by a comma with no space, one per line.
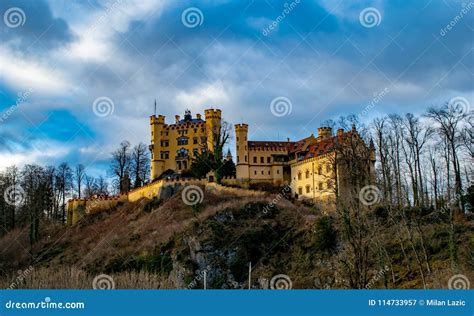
(77,208)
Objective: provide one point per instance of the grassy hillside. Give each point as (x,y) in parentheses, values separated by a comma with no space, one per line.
(167,244)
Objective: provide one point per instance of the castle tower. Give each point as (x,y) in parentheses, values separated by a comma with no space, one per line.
(157,164)
(324,132)
(213,127)
(242,167)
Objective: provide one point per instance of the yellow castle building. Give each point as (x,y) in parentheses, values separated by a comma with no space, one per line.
(309,166)
(173,146)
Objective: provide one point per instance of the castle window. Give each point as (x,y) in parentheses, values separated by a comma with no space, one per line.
(269,159)
(182,141)
(237,147)
(195,152)
(195,140)
(237,138)
(262,172)
(320,186)
(299,175)
(202,130)
(278,171)
(164,143)
(245,147)
(268,172)
(307,174)
(308,189)
(320,170)
(238,159)
(328,168)
(195,130)
(245,158)
(182,152)
(254,159)
(255,172)
(262,159)
(203,140)
(164,154)
(300,190)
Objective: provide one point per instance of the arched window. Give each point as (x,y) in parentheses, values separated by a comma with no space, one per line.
(307,174)
(299,175)
(320,170)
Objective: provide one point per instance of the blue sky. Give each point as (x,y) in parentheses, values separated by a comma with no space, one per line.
(322,56)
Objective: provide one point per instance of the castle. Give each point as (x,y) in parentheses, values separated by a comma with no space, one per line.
(174,146)
(312,167)
(308,165)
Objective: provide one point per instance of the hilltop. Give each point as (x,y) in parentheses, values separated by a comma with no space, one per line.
(168,244)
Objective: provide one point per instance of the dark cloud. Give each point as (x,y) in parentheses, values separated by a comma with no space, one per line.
(40,31)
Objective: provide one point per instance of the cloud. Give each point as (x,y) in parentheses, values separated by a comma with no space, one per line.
(133,52)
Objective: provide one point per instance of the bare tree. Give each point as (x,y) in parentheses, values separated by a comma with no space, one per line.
(448,120)
(120,164)
(140,164)
(79,174)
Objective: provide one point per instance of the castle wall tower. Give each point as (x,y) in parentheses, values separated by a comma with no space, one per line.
(157,164)
(213,126)
(242,167)
(324,132)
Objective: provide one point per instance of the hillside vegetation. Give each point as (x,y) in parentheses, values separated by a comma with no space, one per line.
(168,244)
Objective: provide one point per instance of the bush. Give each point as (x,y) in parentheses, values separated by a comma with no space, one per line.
(326,235)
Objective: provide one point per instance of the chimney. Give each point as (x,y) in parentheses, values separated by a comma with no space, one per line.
(198,116)
(177,118)
(340,132)
(288,139)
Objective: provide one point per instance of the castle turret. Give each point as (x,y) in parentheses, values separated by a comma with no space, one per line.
(242,167)
(213,127)
(157,165)
(324,132)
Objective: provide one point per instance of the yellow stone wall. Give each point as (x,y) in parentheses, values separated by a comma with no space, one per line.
(314,178)
(78,208)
